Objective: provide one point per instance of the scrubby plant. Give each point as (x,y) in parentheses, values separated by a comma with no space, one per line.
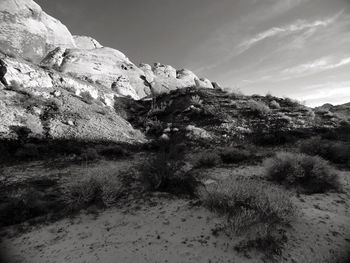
(207,160)
(158,108)
(335,151)
(275,105)
(164,172)
(95,186)
(28,151)
(21,204)
(90,154)
(291,102)
(253,208)
(153,127)
(310,173)
(258,108)
(196,100)
(234,155)
(112,152)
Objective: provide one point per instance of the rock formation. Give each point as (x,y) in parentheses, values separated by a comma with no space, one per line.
(42,61)
(84,42)
(27,31)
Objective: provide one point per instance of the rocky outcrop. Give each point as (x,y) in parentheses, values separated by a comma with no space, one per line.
(27,31)
(52,105)
(84,42)
(105,66)
(164,78)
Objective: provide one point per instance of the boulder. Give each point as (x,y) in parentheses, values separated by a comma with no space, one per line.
(84,42)
(27,31)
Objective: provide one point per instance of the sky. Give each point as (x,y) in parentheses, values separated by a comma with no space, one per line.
(294,48)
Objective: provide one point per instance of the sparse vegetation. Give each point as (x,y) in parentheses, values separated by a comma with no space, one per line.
(207,160)
(335,151)
(258,108)
(253,208)
(274,105)
(196,100)
(310,173)
(164,172)
(234,155)
(153,127)
(99,186)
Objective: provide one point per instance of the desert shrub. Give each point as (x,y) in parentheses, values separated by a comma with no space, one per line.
(86,97)
(258,108)
(253,208)
(154,127)
(112,152)
(207,160)
(28,151)
(291,102)
(335,151)
(158,108)
(90,154)
(310,173)
(275,105)
(234,155)
(98,186)
(164,172)
(22,204)
(196,100)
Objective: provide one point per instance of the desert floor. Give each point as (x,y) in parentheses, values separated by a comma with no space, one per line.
(167,229)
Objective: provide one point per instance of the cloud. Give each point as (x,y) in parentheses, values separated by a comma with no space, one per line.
(299,25)
(329,92)
(317,66)
(305,30)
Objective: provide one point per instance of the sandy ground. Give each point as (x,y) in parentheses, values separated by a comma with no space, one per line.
(173,230)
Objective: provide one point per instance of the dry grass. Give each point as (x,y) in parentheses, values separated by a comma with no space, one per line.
(101,186)
(253,208)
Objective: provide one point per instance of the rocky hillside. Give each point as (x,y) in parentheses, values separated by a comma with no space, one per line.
(216,116)
(41,60)
(341,111)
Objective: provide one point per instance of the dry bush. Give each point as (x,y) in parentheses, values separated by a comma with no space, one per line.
(164,172)
(335,151)
(234,155)
(258,108)
(154,127)
(207,160)
(89,154)
(310,173)
(196,100)
(275,105)
(253,208)
(94,186)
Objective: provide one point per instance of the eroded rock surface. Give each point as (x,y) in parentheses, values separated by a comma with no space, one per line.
(26,30)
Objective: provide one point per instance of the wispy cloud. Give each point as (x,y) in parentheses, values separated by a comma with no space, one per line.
(316,66)
(303,28)
(299,25)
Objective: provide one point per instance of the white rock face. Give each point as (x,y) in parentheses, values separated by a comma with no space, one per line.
(30,76)
(105,66)
(164,78)
(73,119)
(27,31)
(84,42)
